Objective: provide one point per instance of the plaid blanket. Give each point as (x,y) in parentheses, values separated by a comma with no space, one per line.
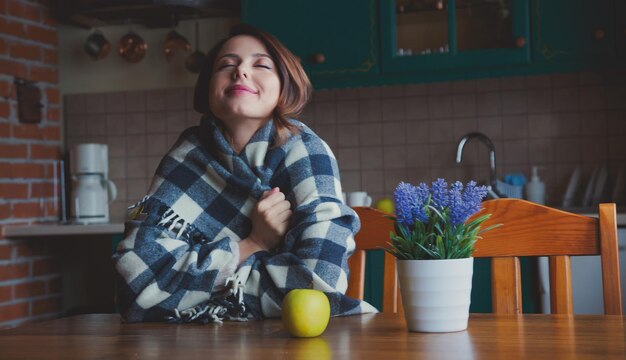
(179,257)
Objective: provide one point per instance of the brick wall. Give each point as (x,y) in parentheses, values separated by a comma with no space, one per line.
(30,275)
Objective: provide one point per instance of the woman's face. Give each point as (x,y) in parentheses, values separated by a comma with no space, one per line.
(245,83)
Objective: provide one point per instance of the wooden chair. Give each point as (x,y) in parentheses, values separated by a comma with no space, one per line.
(374,235)
(528,229)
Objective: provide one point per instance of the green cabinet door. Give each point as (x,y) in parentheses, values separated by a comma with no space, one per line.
(345,33)
(332,38)
(282,19)
(452,34)
(576,32)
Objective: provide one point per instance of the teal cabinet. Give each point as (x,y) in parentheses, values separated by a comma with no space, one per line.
(333,39)
(352,43)
(453,34)
(578,33)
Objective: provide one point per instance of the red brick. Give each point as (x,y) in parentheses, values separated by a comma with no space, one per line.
(5,251)
(13,151)
(24,51)
(51,133)
(5,131)
(26,210)
(22,170)
(14,311)
(38,151)
(52,114)
(5,110)
(6,293)
(39,190)
(14,271)
(53,95)
(52,209)
(44,74)
(5,86)
(46,267)
(50,56)
(41,34)
(44,306)
(30,289)
(24,10)
(4,47)
(27,131)
(55,286)
(5,211)
(13,191)
(12,68)
(12,27)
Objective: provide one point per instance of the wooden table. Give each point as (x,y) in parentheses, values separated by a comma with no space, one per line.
(380,336)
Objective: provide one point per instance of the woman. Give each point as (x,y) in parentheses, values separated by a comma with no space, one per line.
(244,207)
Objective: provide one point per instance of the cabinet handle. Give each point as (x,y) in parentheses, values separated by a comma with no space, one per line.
(599,34)
(520,42)
(318,58)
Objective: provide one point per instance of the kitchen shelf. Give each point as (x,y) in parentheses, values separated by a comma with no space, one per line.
(61,230)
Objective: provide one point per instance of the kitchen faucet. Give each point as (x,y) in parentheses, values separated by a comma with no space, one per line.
(493,186)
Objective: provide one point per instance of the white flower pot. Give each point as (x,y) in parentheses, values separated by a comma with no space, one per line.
(436,293)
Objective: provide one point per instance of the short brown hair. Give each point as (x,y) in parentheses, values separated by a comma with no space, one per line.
(295,85)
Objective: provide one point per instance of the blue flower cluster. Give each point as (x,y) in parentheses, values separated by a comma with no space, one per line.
(413,203)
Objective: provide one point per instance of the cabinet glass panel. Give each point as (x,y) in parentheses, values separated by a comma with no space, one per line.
(484,24)
(422,27)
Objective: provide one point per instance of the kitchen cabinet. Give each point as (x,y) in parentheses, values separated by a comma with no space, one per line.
(356,43)
(579,33)
(451,34)
(333,39)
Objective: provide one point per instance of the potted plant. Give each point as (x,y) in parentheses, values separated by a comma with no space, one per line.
(433,243)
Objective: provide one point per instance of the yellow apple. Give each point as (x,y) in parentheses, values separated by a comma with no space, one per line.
(305,312)
(385,205)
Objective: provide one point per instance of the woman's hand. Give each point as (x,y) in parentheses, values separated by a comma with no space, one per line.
(270,220)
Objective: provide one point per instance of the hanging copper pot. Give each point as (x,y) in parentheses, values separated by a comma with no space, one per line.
(195,61)
(132,47)
(97,46)
(175,41)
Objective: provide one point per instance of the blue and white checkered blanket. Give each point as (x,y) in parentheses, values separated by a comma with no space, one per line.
(178,260)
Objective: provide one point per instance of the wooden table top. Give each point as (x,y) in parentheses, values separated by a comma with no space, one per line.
(377,336)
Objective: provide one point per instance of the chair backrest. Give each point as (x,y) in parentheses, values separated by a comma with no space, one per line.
(374,235)
(528,229)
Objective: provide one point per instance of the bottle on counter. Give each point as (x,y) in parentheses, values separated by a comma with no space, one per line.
(536,189)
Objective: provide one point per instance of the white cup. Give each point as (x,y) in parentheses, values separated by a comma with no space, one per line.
(359,198)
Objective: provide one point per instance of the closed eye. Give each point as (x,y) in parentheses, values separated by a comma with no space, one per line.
(264,66)
(225,66)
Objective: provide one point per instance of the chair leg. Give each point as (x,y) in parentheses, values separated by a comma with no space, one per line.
(506,285)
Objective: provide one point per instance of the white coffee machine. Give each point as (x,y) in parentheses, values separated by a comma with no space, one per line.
(92,191)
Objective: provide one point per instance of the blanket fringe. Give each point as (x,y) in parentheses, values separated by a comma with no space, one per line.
(229,307)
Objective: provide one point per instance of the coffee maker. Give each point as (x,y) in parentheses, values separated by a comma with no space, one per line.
(92,191)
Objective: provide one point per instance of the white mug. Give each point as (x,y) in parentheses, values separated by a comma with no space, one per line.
(359,198)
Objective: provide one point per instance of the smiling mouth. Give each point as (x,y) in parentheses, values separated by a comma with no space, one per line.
(239,90)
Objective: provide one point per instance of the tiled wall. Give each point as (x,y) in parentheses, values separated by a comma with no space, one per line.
(382,135)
